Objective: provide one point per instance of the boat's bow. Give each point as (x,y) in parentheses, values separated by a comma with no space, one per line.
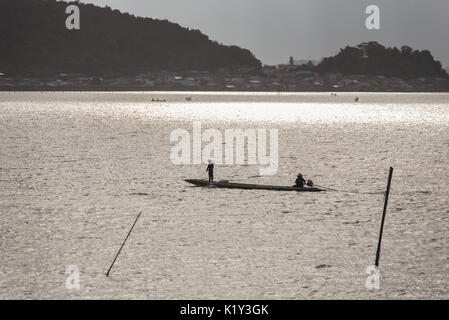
(198,182)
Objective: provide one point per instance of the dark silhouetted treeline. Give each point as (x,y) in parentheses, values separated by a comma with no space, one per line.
(374,59)
(34,41)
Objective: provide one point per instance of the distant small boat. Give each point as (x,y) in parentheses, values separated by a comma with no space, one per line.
(230,185)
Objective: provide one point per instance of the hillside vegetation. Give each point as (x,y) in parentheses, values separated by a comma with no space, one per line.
(34,41)
(373,58)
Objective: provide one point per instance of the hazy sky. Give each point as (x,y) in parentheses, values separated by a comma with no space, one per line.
(274,30)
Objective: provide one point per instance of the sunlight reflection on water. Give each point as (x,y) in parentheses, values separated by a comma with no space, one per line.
(309,113)
(77,167)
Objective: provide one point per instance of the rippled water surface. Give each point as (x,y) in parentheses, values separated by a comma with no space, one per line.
(76,169)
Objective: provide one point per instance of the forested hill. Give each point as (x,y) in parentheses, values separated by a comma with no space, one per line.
(34,41)
(372,58)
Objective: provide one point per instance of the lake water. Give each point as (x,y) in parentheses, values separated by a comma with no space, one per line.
(76,169)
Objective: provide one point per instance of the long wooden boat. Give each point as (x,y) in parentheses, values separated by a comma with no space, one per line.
(231,185)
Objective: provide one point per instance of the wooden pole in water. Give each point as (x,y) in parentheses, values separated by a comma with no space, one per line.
(138,216)
(383,217)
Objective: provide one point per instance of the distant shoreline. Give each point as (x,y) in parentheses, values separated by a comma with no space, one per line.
(192,89)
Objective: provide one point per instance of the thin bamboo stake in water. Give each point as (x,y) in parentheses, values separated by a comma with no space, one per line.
(383,217)
(107,274)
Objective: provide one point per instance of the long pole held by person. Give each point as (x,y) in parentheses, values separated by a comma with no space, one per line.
(383,217)
(138,216)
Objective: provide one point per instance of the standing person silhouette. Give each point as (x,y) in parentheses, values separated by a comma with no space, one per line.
(210,169)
